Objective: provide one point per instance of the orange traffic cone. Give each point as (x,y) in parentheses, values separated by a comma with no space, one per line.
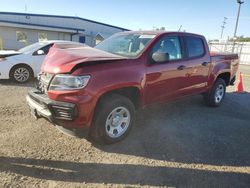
(239,87)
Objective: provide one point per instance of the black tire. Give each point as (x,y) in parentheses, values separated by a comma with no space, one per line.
(100,129)
(24,71)
(211,98)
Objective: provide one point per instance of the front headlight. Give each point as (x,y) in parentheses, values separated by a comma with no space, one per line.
(68,82)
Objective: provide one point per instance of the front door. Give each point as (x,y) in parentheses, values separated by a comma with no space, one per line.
(166,80)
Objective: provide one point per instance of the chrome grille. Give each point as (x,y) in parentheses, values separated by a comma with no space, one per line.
(44,80)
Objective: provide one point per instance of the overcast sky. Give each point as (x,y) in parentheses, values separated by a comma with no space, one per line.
(203,17)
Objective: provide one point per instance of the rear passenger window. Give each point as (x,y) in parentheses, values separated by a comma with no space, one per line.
(195,47)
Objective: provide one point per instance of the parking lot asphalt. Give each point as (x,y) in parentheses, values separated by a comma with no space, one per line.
(180,144)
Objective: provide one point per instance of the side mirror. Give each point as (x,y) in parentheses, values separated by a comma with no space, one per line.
(160,57)
(40,52)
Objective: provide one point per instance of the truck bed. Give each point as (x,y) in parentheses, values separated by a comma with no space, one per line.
(224,55)
(228,61)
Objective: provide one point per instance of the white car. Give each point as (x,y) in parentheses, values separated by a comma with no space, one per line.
(24,64)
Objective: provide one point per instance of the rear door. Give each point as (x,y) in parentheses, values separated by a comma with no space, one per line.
(197,63)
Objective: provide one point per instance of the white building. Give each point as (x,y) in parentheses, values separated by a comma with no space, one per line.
(20,29)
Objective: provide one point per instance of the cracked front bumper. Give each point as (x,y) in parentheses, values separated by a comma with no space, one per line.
(55,111)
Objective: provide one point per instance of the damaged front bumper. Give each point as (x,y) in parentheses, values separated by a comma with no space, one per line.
(55,111)
(58,113)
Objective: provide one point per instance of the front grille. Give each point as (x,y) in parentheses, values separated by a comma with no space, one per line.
(44,80)
(64,113)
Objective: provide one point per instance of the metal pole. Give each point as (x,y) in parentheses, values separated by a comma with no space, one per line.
(180,28)
(237,21)
(223,27)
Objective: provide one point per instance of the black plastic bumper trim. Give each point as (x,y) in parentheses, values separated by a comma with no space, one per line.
(59,110)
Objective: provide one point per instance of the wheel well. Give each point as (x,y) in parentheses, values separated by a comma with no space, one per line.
(132,93)
(19,65)
(226,77)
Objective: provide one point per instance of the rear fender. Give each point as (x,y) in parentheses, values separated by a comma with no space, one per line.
(218,69)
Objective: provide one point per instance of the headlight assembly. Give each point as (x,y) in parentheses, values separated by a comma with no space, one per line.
(68,82)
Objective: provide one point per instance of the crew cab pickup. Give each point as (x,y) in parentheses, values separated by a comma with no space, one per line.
(101,88)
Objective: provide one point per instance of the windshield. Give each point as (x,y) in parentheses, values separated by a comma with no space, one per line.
(128,45)
(31,48)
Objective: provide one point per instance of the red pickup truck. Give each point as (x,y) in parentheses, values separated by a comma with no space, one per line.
(101,88)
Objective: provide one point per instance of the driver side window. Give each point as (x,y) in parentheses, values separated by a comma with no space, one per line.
(170,45)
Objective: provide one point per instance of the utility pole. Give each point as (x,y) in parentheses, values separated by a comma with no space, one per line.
(237,21)
(223,27)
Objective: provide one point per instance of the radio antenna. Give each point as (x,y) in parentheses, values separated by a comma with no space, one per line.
(180,28)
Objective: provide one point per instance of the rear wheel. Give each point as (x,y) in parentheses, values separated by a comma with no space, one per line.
(113,119)
(21,73)
(216,95)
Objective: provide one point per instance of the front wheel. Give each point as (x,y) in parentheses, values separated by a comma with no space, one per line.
(216,95)
(113,119)
(21,73)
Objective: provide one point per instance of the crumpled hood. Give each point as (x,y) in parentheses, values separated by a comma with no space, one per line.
(64,60)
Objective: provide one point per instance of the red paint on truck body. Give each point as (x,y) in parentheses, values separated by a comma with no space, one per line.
(156,83)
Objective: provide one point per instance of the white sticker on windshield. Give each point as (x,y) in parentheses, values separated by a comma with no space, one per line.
(146,36)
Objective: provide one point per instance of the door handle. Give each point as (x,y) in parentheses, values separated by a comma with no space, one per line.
(205,63)
(182,67)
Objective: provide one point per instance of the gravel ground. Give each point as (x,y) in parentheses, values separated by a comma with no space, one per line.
(181,144)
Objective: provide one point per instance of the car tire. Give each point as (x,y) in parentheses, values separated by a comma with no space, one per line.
(21,73)
(216,95)
(113,119)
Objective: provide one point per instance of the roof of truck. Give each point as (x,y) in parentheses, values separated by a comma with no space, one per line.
(159,32)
